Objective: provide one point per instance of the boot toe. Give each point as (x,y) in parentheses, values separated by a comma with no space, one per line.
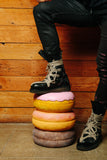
(89,144)
(38,87)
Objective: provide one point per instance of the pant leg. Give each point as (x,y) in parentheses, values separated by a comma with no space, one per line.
(101,93)
(46,14)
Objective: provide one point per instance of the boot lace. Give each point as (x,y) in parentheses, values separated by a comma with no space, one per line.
(92,126)
(52,72)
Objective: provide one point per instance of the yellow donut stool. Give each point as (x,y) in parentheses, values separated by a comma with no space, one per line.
(54,106)
(53,117)
(53,126)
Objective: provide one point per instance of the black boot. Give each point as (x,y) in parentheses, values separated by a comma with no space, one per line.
(55,81)
(92,135)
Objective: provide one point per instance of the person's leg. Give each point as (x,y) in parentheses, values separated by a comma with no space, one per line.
(46,15)
(101,93)
(91,135)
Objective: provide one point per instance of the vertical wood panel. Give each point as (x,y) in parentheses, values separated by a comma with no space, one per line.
(20,63)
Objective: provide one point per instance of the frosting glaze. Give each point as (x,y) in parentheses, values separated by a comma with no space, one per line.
(57,96)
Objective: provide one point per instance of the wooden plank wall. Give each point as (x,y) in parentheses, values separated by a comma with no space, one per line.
(20,64)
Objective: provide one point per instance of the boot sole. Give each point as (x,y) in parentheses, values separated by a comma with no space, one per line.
(48,91)
(82,147)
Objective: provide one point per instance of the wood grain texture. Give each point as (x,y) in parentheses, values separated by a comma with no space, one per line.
(25,99)
(18,3)
(15,83)
(73,68)
(16,17)
(30,51)
(67,34)
(16,34)
(20,63)
(25,114)
(16,114)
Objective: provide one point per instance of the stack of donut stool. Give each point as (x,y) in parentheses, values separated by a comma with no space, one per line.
(54,119)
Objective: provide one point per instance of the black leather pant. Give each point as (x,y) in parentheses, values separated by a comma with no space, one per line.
(73,13)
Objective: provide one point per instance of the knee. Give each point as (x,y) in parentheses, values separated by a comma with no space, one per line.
(40,9)
(35,10)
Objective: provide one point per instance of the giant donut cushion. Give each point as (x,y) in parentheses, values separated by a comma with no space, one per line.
(53,117)
(48,135)
(55,102)
(53,121)
(52,143)
(53,126)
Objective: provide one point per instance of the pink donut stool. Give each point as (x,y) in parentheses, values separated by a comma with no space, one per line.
(53,117)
